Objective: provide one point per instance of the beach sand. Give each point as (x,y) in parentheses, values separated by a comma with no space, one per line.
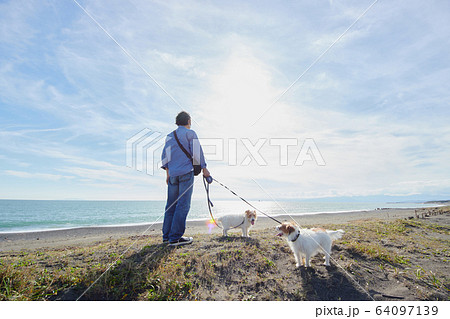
(88,235)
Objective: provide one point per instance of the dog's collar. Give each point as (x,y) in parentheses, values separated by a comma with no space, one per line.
(296,237)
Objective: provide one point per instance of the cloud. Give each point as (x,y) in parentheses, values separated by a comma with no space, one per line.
(22,174)
(187,64)
(364,153)
(14,26)
(116,175)
(374,104)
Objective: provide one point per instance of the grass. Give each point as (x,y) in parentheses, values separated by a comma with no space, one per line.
(373,250)
(24,284)
(377,239)
(160,290)
(258,268)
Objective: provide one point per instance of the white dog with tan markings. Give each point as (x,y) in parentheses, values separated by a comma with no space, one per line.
(306,243)
(244,222)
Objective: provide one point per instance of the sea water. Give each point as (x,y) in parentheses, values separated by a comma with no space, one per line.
(37,215)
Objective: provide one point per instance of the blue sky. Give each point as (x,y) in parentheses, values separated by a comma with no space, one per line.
(376,104)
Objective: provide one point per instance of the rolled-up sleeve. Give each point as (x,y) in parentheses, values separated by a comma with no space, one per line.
(165,156)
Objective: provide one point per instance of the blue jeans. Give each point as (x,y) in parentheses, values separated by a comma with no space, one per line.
(178,204)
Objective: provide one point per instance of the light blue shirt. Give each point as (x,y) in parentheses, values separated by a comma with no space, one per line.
(174,159)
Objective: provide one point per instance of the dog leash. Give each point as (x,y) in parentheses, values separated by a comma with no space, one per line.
(207,182)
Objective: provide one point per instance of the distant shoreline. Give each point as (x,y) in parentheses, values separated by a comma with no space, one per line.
(441,202)
(149,214)
(146,224)
(88,235)
(160,222)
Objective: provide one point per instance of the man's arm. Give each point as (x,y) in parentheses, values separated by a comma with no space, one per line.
(165,160)
(165,156)
(167,175)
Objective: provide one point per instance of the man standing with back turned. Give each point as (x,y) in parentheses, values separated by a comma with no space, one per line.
(180,179)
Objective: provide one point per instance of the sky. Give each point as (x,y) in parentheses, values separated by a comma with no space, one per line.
(291,100)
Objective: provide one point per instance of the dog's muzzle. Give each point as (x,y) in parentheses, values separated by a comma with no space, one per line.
(280,232)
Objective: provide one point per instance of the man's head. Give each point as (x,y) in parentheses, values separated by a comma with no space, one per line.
(183,119)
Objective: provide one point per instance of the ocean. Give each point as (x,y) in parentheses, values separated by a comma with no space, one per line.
(38,215)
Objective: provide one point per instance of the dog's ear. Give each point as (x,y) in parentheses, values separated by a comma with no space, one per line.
(290,228)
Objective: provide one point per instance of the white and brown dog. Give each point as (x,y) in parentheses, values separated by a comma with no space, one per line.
(244,222)
(306,243)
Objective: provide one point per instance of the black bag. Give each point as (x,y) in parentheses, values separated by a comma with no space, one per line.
(197,168)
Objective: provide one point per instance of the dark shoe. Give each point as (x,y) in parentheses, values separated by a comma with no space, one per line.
(182,241)
(165,241)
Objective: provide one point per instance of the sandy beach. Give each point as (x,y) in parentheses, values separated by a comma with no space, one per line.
(386,254)
(89,235)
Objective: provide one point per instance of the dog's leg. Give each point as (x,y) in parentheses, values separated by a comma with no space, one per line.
(225,230)
(307,262)
(327,259)
(245,231)
(298,259)
(327,252)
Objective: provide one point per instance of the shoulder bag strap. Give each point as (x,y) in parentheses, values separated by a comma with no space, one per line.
(182,147)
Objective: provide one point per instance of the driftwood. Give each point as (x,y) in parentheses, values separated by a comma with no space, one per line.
(429,212)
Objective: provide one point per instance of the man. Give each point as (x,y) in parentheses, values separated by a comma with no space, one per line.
(180,179)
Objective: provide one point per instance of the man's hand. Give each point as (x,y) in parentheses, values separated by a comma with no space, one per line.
(205,172)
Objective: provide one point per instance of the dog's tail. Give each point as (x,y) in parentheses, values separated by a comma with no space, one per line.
(335,234)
